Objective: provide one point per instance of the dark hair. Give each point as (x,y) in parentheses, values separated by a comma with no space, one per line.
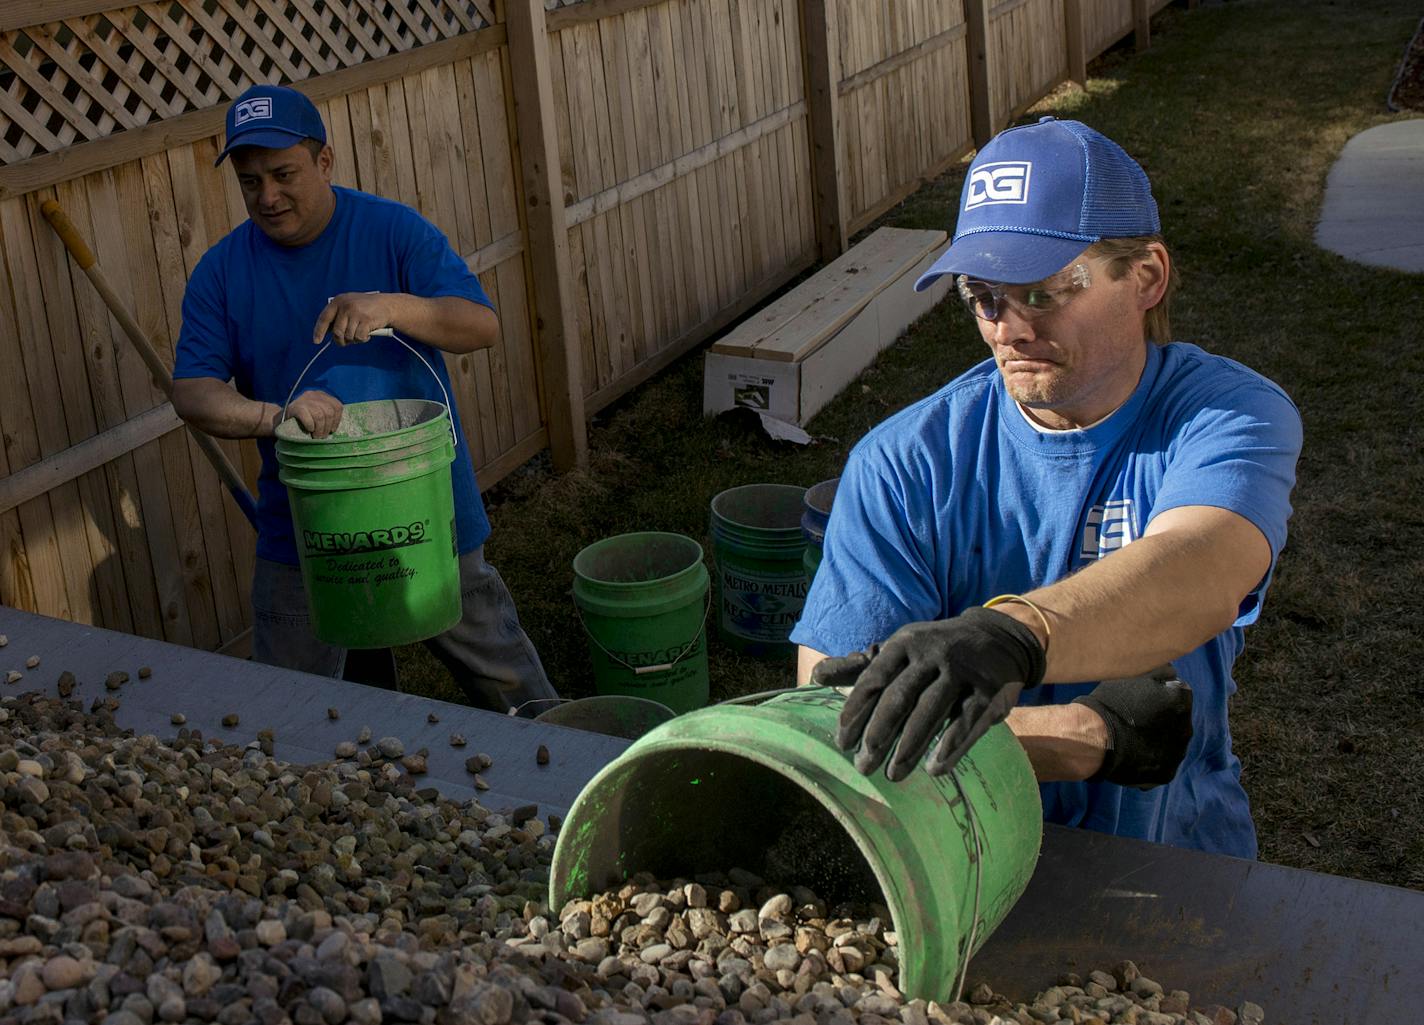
(1121,254)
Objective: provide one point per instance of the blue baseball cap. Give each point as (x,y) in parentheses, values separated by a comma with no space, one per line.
(273,117)
(1036,196)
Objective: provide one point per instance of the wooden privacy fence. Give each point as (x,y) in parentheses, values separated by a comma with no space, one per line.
(627,177)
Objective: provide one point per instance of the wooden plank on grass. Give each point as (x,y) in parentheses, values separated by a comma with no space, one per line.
(842,289)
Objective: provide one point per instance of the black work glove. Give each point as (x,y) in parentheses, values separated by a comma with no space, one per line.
(1149,720)
(961,675)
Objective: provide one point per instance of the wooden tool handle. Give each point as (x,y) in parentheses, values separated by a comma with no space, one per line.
(68,234)
(84,256)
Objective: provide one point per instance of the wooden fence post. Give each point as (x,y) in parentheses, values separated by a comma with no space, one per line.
(1141,25)
(1077,56)
(981,96)
(821,45)
(548,238)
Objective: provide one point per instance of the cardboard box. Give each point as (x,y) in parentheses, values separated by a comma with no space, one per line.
(794,355)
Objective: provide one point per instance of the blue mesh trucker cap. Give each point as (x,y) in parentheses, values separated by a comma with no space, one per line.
(273,117)
(1036,196)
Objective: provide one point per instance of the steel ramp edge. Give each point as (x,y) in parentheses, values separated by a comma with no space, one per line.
(1310,948)
(205,686)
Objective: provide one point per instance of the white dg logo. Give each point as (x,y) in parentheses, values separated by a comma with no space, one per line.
(255,109)
(1002,182)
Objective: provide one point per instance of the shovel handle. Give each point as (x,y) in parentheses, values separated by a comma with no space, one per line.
(68,234)
(84,256)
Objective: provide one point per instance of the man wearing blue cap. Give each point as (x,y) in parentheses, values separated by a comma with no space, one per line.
(1090,502)
(315,261)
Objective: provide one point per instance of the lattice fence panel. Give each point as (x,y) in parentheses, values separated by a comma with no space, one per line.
(89,77)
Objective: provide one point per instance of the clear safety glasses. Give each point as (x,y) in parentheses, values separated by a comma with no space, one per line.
(986,301)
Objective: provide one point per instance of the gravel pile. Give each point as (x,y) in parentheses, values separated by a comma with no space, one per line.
(183,880)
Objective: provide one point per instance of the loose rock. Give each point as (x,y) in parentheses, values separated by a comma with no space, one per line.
(199,880)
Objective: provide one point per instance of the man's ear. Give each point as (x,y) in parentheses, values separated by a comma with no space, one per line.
(326,160)
(1152,273)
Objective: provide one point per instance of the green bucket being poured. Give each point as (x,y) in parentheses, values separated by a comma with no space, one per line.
(763,787)
(373,514)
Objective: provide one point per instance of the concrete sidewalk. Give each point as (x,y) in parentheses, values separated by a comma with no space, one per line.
(1373,211)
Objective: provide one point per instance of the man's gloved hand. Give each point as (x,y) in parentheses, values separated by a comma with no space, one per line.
(963,673)
(1149,721)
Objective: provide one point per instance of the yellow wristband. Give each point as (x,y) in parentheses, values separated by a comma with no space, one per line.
(1004,599)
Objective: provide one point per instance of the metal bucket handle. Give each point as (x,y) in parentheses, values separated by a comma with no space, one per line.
(662,667)
(388,332)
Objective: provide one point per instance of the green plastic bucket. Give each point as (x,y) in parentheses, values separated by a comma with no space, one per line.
(643,601)
(764,788)
(613,715)
(374,517)
(813,522)
(761,576)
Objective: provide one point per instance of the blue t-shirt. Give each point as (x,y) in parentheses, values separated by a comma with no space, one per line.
(957,499)
(248,316)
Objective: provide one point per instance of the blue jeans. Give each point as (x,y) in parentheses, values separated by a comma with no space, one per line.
(487,652)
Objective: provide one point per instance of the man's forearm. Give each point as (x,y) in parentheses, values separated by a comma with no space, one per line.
(216,408)
(447,322)
(1159,597)
(1063,742)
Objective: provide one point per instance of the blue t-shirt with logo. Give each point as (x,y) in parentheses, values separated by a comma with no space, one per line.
(249,312)
(958,498)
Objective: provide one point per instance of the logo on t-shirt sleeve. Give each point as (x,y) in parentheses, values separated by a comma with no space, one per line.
(1109,528)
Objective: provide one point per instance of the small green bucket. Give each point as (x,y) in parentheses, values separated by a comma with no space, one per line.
(373,514)
(613,715)
(763,787)
(643,601)
(761,575)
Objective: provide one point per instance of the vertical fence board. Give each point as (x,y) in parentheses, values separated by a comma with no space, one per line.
(544,208)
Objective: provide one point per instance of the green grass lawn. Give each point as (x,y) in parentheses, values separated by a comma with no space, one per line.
(1237,112)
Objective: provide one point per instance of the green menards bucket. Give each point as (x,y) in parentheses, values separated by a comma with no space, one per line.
(763,787)
(643,601)
(374,516)
(761,576)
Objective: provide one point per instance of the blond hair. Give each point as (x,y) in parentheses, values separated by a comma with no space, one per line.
(1121,254)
